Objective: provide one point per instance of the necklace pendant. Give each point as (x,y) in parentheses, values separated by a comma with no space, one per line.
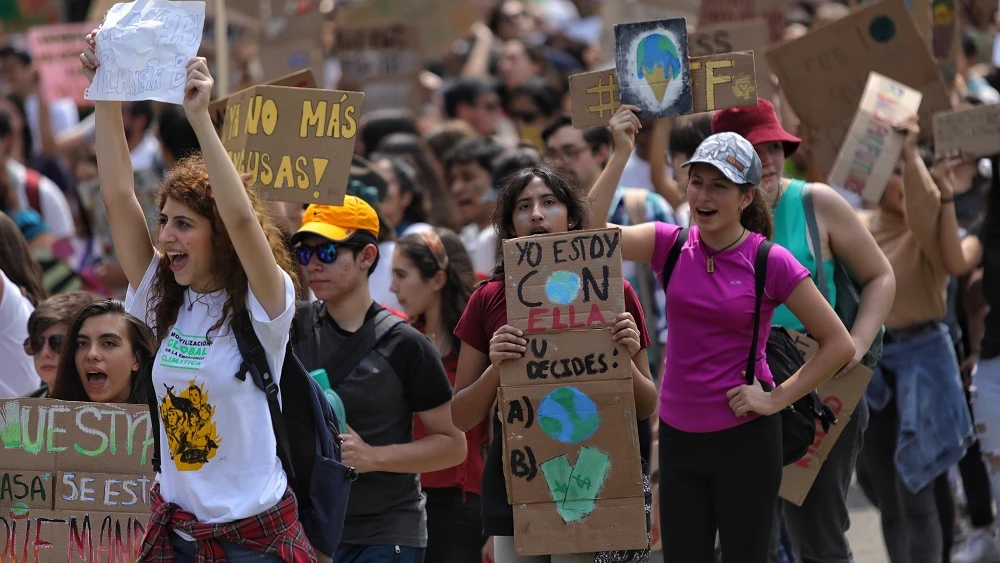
(710,267)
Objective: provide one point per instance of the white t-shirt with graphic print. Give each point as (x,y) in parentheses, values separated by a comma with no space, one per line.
(217,445)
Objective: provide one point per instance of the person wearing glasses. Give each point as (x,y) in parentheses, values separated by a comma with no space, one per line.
(47,328)
(385,371)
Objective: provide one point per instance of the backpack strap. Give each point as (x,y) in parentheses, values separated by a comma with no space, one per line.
(675,254)
(760,275)
(255,361)
(360,344)
(32,180)
(154,413)
(817,242)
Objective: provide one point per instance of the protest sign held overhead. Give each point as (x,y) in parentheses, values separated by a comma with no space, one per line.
(653,70)
(872,147)
(56,54)
(384,62)
(75,481)
(143,49)
(564,281)
(973,132)
(295,143)
(300,79)
(823,75)
(720,81)
(842,395)
(734,37)
(571,451)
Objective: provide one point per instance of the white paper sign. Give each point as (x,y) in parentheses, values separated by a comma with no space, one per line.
(143,48)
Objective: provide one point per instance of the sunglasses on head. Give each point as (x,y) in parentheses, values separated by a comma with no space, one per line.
(37,344)
(325,251)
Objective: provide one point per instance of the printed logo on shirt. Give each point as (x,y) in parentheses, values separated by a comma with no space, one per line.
(189,422)
(184,351)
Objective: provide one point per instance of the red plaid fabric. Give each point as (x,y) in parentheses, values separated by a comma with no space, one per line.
(274,532)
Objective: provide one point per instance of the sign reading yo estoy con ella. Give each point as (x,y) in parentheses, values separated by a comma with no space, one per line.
(564,281)
(295,143)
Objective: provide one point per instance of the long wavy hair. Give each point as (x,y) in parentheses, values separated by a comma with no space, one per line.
(187,184)
(17,263)
(563,187)
(69,387)
(458,273)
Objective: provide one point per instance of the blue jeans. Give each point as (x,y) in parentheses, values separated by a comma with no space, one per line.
(185,552)
(349,553)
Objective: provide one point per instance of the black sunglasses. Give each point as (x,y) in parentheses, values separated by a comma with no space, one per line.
(325,251)
(36,344)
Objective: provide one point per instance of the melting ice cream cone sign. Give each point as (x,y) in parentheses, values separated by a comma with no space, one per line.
(651,59)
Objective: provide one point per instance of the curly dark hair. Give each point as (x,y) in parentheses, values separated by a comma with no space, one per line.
(188,184)
(563,187)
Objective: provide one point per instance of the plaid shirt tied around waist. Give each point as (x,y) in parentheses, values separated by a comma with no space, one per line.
(276,531)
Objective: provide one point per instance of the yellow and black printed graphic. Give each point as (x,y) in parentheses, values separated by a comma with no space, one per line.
(189,422)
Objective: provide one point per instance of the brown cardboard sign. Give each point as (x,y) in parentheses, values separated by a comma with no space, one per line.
(50,536)
(384,62)
(728,11)
(726,80)
(540,527)
(975,132)
(842,396)
(871,149)
(53,450)
(299,79)
(104,492)
(823,74)
(564,281)
(567,357)
(295,143)
(737,37)
(440,22)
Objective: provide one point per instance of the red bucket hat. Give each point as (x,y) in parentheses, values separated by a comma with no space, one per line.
(757,124)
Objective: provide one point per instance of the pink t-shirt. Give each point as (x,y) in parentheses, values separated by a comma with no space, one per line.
(711,326)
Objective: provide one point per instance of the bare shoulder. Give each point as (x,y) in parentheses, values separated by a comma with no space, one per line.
(828,202)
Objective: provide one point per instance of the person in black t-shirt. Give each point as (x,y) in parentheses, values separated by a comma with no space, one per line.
(400,376)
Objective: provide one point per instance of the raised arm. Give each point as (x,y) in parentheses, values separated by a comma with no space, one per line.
(624,125)
(231,198)
(114,169)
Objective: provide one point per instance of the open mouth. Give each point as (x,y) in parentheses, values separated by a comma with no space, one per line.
(539,230)
(177,260)
(96,378)
(706,213)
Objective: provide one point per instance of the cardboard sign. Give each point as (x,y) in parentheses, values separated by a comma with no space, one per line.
(56,53)
(871,149)
(144,47)
(728,38)
(728,11)
(843,396)
(76,480)
(564,281)
(632,11)
(823,73)
(440,22)
(571,450)
(295,143)
(653,68)
(300,79)
(720,81)
(975,132)
(384,62)
(920,10)
(945,37)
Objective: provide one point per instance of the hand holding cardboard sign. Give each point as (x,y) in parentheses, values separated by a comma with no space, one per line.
(625,332)
(506,344)
(624,127)
(911,128)
(198,89)
(943,174)
(751,398)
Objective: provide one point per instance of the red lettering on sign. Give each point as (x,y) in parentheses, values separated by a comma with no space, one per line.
(542,319)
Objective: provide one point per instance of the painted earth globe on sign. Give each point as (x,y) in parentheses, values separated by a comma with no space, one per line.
(568,415)
(657,62)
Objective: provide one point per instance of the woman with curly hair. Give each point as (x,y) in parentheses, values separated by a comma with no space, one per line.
(222,492)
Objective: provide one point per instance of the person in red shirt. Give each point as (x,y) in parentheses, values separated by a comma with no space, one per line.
(432,278)
(532,200)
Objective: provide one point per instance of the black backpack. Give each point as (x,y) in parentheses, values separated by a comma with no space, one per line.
(798,421)
(308,443)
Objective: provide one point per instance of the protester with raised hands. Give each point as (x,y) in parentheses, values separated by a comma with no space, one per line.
(222,492)
(720,445)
